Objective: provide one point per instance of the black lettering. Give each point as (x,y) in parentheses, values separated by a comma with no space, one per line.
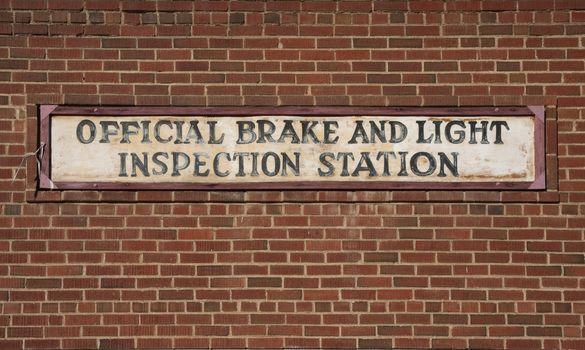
(276,162)
(194,133)
(145,131)
(240,157)
(162,167)
(198,163)
(402,171)
(213,140)
(460,133)
(437,131)
(377,132)
(368,166)
(245,128)
(216,164)
(444,161)
(254,171)
(177,164)
(386,155)
(288,131)
(126,132)
(294,166)
(179,132)
(141,165)
(432,164)
(474,129)
(307,127)
(330,168)
(157,127)
(106,132)
(403,132)
(345,156)
(359,131)
(79,132)
(421,132)
(329,129)
(123,164)
(498,125)
(265,134)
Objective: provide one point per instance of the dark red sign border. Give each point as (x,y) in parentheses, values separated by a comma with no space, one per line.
(47,111)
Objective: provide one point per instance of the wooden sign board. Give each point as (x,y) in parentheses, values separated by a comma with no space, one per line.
(292,148)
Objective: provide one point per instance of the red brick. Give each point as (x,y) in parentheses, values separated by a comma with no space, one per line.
(306,268)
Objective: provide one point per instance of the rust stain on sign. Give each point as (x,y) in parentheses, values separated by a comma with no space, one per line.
(281,150)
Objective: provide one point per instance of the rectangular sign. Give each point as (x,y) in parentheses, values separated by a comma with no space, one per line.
(292,148)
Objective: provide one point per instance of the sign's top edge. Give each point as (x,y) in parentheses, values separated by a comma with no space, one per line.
(301,111)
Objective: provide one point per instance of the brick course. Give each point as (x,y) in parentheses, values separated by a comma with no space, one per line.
(335,269)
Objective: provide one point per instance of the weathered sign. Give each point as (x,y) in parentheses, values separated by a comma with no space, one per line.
(292,148)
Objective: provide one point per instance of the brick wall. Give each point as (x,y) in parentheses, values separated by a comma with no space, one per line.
(292,269)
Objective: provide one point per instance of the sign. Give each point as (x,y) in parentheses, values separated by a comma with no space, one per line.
(292,148)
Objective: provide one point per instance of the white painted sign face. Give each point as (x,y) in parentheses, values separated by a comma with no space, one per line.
(292,149)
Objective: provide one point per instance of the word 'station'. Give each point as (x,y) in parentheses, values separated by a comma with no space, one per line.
(291,149)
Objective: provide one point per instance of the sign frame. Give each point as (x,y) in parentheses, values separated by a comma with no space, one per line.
(47,111)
